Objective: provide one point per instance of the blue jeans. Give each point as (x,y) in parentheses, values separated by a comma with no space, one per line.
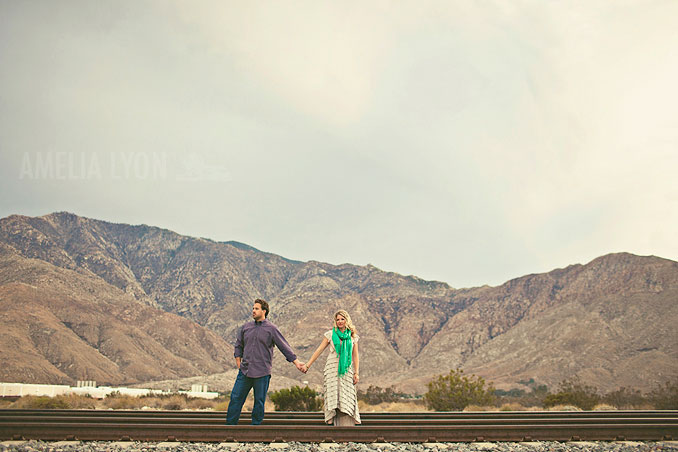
(241,389)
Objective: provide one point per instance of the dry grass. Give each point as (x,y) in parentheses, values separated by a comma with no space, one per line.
(181,402)
(221,406)
(395,407)
(203,404)
(420,407)
(58,402)
(512,406)
(604,407)
(118,402)
(38,402)
(123,402)
(79,402)
(564,408)
(472,408)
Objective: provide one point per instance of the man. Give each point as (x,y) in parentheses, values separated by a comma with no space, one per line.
(254,356)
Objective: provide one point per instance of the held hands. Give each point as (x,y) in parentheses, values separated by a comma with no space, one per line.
(304,368)
(301,366)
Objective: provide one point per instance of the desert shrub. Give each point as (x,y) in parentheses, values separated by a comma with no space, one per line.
(63,401)
(297,399)
(118,401)
(79,402)
(514,392)
(532,398)
(197,403)
(173,402)
(625,398)
(375,395)
(573,392)
(665,397)
(42,402)
(455,391)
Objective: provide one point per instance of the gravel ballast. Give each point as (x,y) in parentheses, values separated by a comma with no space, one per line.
(102,446)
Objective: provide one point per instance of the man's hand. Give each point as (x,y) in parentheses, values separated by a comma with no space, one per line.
(299,365)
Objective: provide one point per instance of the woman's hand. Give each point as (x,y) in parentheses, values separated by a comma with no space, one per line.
(304,368)
(356,378)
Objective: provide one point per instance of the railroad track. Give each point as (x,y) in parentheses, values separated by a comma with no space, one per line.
(105,425)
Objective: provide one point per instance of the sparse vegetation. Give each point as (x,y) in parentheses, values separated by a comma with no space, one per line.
(296,399)
(375,395)
(513,406)
(604,407)
(119,401)
(455,391)
(574,392)
(472,408)
(564,408)
(42,402)
(665,397)
(174,402)
(532,398)
(392,407)
(626,398)
(116,401)
(472,392)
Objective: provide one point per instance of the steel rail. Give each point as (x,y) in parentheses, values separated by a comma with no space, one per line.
(669,414)
(168,420)
(86,425)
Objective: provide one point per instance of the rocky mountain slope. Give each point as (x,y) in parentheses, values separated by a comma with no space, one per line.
(610,321)
(59,325)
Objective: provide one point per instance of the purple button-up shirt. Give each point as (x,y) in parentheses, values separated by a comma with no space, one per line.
(254,345)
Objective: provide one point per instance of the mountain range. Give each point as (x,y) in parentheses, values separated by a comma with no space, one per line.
(83,299)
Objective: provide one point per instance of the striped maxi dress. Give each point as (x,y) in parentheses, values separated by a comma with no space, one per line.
(341,401)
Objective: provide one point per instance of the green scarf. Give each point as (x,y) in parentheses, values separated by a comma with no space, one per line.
(344,348)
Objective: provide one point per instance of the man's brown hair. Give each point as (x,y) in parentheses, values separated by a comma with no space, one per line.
(264,305)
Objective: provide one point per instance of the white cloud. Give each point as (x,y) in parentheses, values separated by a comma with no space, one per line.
(319,57)
(469,142)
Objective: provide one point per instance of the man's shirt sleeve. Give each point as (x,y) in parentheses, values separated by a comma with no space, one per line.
(282,345)
(239,343)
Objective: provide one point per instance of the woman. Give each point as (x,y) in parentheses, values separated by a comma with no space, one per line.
(341,371)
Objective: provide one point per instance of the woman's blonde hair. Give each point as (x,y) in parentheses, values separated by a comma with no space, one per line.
(349,322)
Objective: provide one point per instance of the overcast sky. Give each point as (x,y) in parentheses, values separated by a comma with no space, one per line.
(469,142)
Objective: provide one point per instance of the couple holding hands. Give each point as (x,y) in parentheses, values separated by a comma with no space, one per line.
(254,356)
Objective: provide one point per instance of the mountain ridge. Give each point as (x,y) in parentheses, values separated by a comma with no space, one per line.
(403,320)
